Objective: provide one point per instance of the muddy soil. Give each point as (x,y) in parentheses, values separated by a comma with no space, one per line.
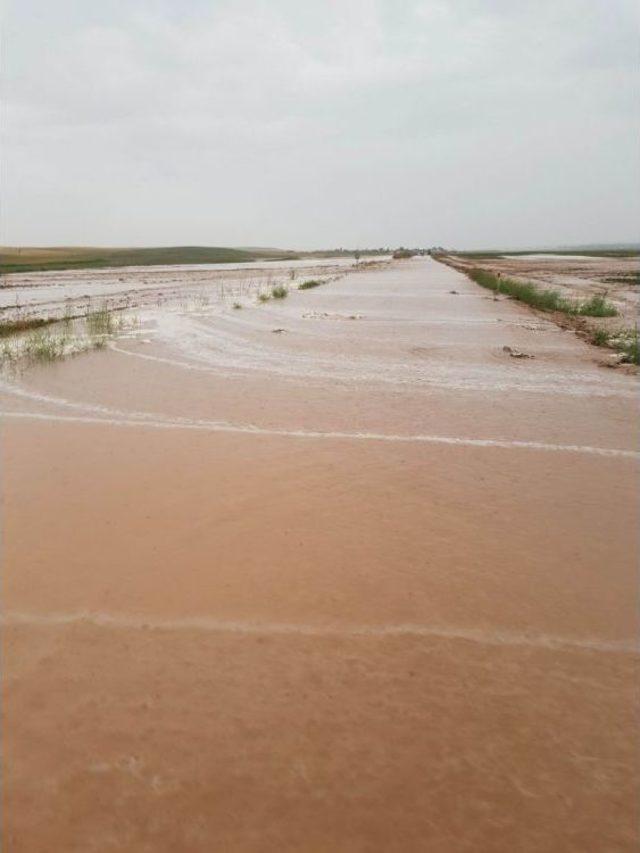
(367,584)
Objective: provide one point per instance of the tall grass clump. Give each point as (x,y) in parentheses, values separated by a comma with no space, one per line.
(100,322)
(307,285)
(264,297)
(598,306)
(630,348)
(280,292)
(41,346)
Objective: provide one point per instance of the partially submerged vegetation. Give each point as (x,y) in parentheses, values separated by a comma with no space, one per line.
(42,340)
(626,343)
(597,306)
(100,322)
(307,285)
(542,299)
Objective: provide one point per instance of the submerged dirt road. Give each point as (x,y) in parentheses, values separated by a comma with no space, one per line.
(366,583)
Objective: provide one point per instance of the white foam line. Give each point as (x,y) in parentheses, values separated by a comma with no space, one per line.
(376,373)
(213,426)
(201,623)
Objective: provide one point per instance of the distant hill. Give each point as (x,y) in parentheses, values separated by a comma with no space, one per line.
(32,259)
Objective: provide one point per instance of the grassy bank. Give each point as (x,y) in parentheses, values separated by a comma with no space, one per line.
(624,342)
(542,299)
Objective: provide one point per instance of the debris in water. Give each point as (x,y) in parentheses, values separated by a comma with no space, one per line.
(516,353)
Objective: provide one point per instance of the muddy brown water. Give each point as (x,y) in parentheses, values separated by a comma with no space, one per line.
(362,585)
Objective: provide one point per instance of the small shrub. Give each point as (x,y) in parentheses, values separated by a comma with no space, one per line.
(280,292)
(600,338)
(263,297)
(237,306)
(307,285)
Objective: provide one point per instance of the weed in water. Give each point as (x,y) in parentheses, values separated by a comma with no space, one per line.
(41,346)
(100,322)
(630,348)
(280,292)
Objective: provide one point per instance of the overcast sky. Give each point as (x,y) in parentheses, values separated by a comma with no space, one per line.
(316,123)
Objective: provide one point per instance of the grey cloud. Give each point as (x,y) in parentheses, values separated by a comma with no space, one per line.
(452,121)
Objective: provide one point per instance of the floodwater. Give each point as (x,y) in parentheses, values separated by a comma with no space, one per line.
(54,293)
(331,573)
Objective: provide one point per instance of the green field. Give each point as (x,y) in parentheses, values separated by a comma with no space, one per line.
(68,257)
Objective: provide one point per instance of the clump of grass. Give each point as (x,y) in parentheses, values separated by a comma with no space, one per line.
(280,292)
(41,346)
(598,306)
(100,322)
(237,306)
(626,343)
(264,297)
(600,338)
(630,348)
(8,353)
(307,285)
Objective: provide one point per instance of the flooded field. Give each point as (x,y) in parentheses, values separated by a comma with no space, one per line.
(330,571)
(37,294)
